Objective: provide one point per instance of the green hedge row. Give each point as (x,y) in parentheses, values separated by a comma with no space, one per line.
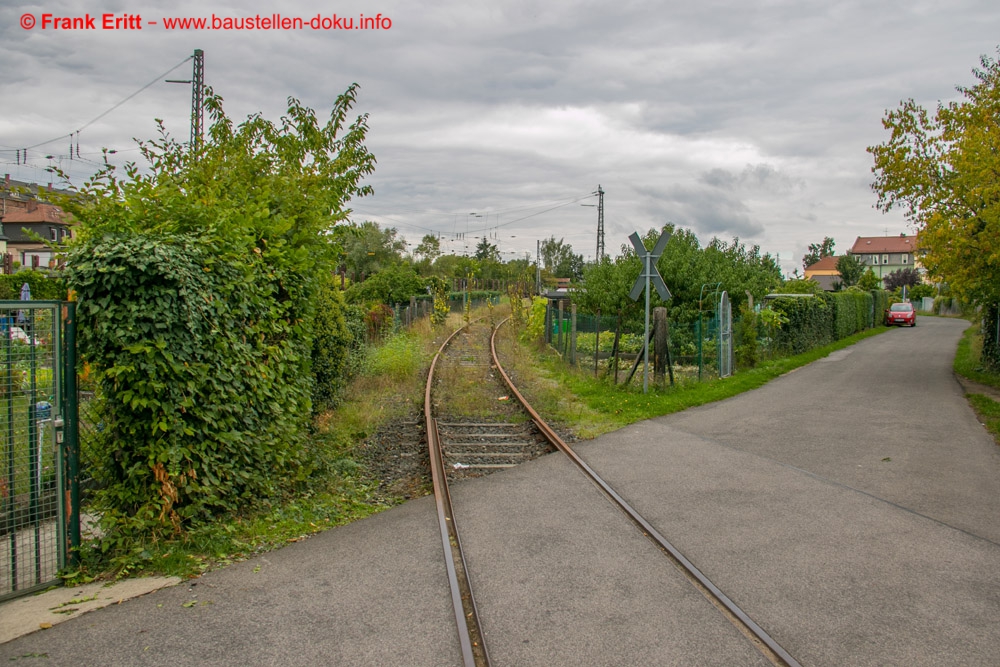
(822,319)
(43,287)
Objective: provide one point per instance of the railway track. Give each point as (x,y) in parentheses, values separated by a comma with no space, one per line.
(512,433)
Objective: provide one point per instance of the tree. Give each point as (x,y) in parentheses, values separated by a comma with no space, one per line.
(941,168)
(487,251)
(850,268)
(559,259)
(369,249)
(908,277)
(868,281)
(818,251)
(429,248)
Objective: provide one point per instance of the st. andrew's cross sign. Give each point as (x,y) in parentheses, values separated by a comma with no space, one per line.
(649,274)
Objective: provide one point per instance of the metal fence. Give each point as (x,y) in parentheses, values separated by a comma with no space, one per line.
(36,432)
(587,340)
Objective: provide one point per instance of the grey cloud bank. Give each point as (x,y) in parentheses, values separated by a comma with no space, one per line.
(731,118)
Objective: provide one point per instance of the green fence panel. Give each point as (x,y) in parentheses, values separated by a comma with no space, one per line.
(34,535)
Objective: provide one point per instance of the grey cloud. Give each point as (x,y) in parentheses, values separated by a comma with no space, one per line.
(753,178)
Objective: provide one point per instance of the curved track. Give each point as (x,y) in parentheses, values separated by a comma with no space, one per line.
(467,617)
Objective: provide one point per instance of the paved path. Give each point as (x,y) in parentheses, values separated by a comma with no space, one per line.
(851,507)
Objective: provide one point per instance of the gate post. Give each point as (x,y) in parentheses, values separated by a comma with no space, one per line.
(70,437)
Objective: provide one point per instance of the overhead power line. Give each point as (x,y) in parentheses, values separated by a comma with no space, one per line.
(105,113)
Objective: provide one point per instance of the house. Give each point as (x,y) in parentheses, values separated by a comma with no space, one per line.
(27,223)
(885,254)
(824,272)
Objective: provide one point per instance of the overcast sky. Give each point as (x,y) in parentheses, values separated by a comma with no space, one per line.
(733,118)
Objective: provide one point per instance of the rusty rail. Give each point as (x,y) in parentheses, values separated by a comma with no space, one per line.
(771,649)
(473,652)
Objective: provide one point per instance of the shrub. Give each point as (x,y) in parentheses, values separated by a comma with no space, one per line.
(746,338)
(206,393)
(44,286)
(534,330)
(333,341)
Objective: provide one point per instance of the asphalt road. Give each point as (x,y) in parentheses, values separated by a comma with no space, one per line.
(849,507)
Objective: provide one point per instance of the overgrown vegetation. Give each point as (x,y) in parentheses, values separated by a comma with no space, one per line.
(198,284)
(968,363)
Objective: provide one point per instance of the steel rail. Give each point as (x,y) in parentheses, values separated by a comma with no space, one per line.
(465,606)
(750,626)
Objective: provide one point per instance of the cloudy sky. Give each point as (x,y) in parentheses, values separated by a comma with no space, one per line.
(730,118)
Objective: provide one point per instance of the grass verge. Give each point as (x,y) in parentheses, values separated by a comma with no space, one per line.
(967,358)
(967,364)
(988,411)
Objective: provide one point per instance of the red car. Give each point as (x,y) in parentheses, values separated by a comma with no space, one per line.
(901,313)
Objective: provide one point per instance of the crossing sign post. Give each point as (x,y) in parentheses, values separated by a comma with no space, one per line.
(649,275)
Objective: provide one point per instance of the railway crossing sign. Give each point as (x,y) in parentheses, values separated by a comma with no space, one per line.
(649,274)
(649,259)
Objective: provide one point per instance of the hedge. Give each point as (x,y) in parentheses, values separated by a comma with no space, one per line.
(815,321)
(43,286)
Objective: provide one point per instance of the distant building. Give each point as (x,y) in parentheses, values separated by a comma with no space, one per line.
(28,223)
(885,254)
(824,272)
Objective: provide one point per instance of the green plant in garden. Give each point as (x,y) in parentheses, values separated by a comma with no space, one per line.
(333,343)
(198,284)
(534,331)
(441,308)
(746,343)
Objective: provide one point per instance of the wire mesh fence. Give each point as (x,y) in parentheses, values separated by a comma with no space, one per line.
(612,346)
(32,547)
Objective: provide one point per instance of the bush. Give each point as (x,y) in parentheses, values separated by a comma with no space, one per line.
(44,286)
(534,330)
(746,338)
(852,311)
(810,323)
(333,341)
(206,393)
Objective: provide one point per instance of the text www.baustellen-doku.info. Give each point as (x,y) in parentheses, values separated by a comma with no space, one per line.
(125,21)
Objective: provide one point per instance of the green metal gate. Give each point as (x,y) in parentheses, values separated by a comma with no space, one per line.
(39,491)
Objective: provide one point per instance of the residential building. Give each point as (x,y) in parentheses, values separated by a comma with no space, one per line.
(28,224)
(824,272)
(885,254)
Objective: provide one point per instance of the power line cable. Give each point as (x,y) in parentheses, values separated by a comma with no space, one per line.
(99,117)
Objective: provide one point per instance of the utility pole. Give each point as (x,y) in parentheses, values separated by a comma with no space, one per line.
(197,82)
(198,99)
(600,224)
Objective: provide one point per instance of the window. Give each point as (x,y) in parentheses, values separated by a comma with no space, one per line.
(906,259)
(53,233)
(875,260)
(885,259)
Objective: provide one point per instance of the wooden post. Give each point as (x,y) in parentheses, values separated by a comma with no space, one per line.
(615,347)
(559,338)
(597,340)
(548,322)
(572,334)
(659,343)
